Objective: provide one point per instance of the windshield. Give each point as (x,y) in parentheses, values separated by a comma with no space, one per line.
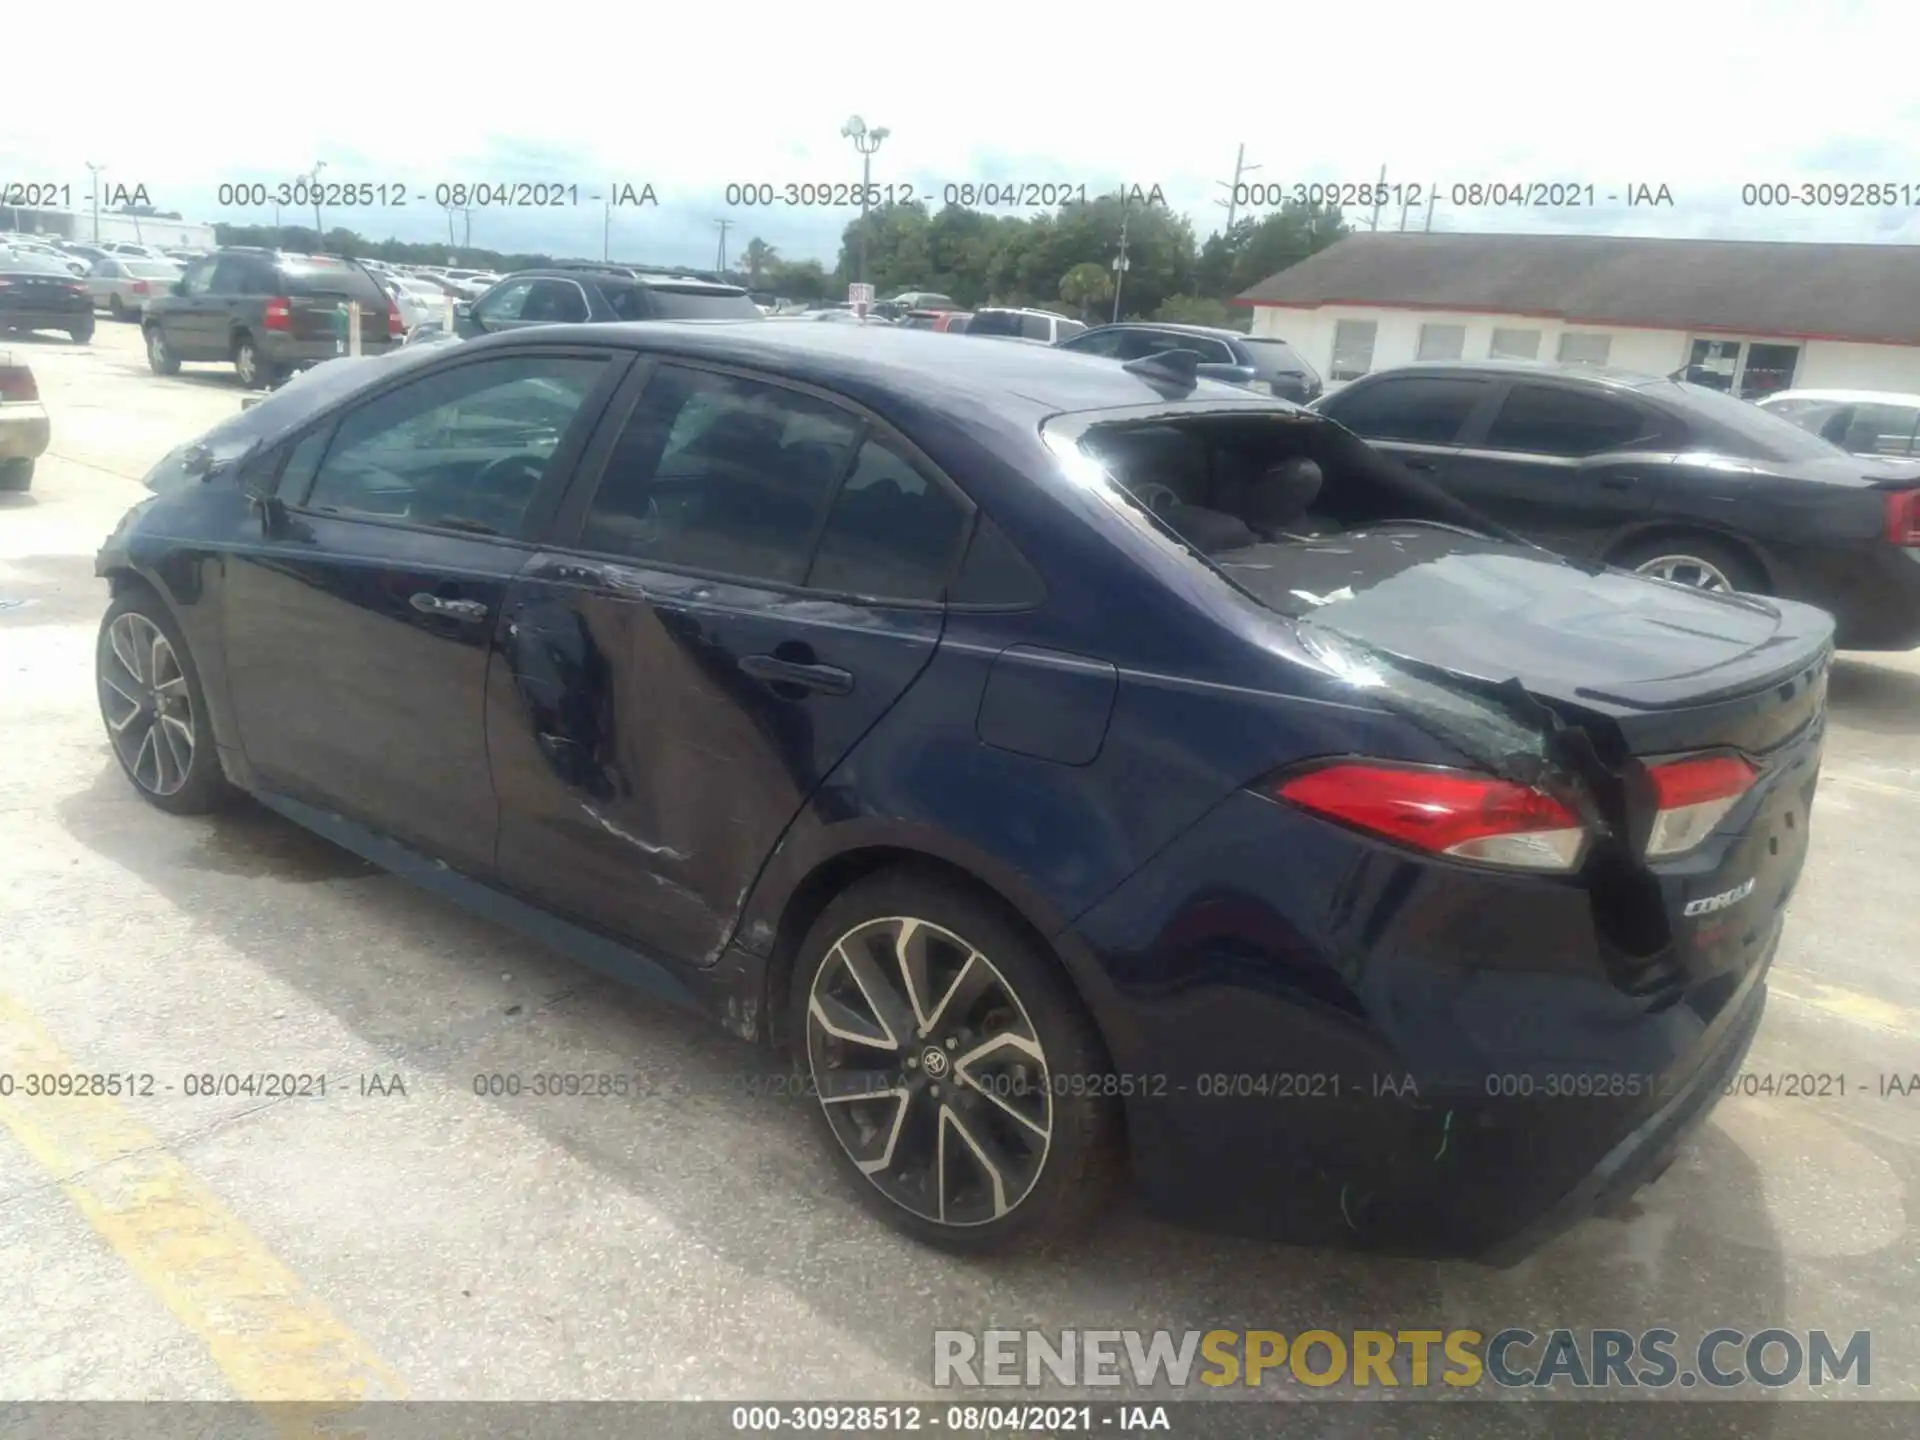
(1763,435)
(1276,357)
(29,262)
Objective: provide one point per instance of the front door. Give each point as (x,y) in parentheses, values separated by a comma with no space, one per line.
(188,319)
(753,583)
(358,633)
(1417,419)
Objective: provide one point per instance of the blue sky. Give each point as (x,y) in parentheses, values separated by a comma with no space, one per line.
(1695,97)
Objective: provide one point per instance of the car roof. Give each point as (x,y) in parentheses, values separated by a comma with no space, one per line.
(1214,332)
(1849,397)
(1020,382)
(1599,376)
(624,277)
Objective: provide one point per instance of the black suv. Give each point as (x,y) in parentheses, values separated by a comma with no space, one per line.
(1271,366)
(599,294)
(267,313)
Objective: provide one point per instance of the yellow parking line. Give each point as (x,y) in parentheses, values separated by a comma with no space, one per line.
(272,1338)
(1879,787)
(1843,1004)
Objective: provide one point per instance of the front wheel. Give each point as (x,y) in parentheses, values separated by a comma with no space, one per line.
(160,357)
(81,334)
(16,474)
(956,1073)
(248,365)
(154,709)
(116,308)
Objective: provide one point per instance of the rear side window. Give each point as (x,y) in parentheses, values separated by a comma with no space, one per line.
(1036,327)
(628,302)
(1550,420)
(893,533)
(1424,410)
(673,304)
(994,322)
(721,474)
(1880,430)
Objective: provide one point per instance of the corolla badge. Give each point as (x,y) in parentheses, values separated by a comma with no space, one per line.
(1708,904)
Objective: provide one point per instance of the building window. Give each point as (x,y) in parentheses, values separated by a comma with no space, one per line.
(1578,349)
(1748,369)
(1353,348)
(1442,342)
(1514,345)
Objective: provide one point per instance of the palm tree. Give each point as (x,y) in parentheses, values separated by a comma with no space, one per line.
(757,257)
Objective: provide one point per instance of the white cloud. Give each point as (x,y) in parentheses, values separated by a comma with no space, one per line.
(1699,98)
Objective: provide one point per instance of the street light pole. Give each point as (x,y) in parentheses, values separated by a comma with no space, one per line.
(866,142)
(313,183)
(721,268)
(97,171)
(1120,264)
(1232,202)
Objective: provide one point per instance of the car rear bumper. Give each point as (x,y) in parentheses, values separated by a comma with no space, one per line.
(286,352)
(1330,1044)
(24,432)
(80,314)
(1873,594)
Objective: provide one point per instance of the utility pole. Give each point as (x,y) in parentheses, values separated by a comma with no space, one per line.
(279,240)
(1432,195)
(313,182)
(1120,263)
(97,171)
(1240,168)
(466,227)
(723,226)
(606,229)
(1379,194)
(866,142)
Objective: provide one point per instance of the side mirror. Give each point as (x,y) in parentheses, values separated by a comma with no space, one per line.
(1242,375)
(463,315)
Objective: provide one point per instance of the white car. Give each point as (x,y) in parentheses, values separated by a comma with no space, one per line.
(1865,422)
(23,422)
(420,302)
(124,283)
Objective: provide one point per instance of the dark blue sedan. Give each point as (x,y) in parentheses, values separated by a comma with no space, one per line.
(1081,769)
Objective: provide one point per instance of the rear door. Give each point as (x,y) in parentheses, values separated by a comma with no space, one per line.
(1567,466)
(358,633)
(753,576)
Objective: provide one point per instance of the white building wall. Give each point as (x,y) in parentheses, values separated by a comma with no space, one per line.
(1839,364)
(1397,340)
(141,229)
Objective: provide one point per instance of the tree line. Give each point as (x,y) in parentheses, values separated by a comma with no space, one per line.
(1062,260)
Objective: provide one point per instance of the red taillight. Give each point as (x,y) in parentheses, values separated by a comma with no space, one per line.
(140,288)
(396,323)
(1903,517)
(1446,812)
(279,313)
(1694,796)
(17,383)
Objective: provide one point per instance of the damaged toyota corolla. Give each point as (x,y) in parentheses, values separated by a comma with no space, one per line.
(1077,769)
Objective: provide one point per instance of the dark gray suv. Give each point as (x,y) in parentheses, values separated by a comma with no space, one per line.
(1269,366)
(266,313)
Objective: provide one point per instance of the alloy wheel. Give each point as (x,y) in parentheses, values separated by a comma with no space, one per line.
(1689,570)
(149,714)
(244,362)
(929,1070)
(156,348)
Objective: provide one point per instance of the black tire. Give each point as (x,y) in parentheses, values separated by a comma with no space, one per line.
(16,474)
(1733,564)
(1081,1155)
(81,334)
(248,363)
(160,357)
(116,310)
(204,787)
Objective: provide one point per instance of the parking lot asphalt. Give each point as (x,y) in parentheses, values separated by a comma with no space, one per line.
(692,1242)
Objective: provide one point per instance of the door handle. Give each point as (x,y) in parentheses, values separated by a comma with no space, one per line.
(1413,464)
(827,679)
(469,610)
(1619,482)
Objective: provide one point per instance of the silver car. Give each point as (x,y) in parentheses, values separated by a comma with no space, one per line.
(123,285)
